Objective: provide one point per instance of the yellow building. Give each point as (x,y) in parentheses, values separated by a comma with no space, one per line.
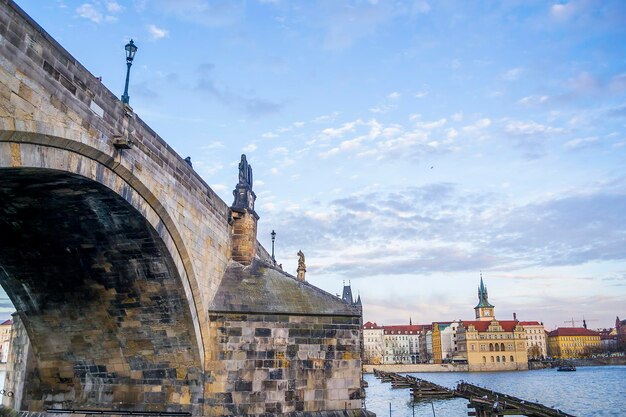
(489,344)
(493,345)
(437,348)
(572,342)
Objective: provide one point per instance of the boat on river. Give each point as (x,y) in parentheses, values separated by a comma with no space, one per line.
(566,367)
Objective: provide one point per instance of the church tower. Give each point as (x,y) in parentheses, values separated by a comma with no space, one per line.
(484,310)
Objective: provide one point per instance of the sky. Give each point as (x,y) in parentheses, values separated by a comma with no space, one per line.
(404,147)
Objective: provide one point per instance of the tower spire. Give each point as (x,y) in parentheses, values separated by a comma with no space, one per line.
(484,309)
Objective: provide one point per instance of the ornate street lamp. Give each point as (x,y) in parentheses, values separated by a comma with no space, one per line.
(273,238)
(130,55)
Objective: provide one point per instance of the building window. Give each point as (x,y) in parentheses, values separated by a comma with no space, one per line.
(502,346)
(492,359)
(512,359)
(484,359)
(503,358)
(497,359)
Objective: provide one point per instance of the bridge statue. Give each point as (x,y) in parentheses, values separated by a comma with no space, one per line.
(139,289)
(245,172)
(301,266)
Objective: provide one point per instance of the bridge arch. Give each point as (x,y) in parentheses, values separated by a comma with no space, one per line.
(101,278)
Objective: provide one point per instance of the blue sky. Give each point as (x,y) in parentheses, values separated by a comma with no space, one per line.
(404,146)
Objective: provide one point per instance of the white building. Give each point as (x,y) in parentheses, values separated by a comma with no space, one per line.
(447,333)
(402,344)
(373,343)
(5,339)
(535,339)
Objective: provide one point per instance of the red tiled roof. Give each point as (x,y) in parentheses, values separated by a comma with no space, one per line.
(482,326)
(572,331)
(530,323)
(370,325)
(8,322)
(409,329)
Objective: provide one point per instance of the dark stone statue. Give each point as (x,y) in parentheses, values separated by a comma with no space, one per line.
(245,172)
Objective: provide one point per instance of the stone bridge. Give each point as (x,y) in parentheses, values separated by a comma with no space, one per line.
(129,272)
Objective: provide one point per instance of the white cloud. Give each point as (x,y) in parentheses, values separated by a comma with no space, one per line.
(269,135)
(530,128)
(341,131)
(512,74)
(565,11)
(251,147)
(421,94)
(88,11)
(381,109)
(457,117)
(478,125)
(157,33)
(394,96)
(452,133)
(532,100)
(113,7)
(325,118)
(431,125)
(581,142)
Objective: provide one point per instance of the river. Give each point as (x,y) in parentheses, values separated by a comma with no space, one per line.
(589,392)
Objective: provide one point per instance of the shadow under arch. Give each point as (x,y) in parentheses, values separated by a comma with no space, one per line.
(100,296)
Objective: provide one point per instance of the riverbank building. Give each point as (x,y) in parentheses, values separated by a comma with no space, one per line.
(488,344)
(572,342)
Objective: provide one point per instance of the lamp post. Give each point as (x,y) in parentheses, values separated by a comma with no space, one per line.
(273,238)
(130,55)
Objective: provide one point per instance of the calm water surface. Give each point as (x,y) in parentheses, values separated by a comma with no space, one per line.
(590,391)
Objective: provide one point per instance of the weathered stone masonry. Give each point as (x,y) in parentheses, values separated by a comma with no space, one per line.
(128,271)
(282,345)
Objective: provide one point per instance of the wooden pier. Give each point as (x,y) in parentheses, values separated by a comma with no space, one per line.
(488,403)
(420,388)
(483,401)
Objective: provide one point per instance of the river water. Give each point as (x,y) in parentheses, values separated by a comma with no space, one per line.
(589,392)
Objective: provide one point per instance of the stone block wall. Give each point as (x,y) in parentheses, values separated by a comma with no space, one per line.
(273,363)
(244,236)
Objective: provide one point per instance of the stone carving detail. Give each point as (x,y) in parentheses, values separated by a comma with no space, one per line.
(301,266)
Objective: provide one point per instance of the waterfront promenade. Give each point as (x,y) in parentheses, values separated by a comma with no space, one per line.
(416,368)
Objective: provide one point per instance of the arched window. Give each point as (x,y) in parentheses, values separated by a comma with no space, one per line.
(497,359)
(491,347)
(492,359)
(503,358)
(501,346)
(512,359)
(497,347)
(484,359)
